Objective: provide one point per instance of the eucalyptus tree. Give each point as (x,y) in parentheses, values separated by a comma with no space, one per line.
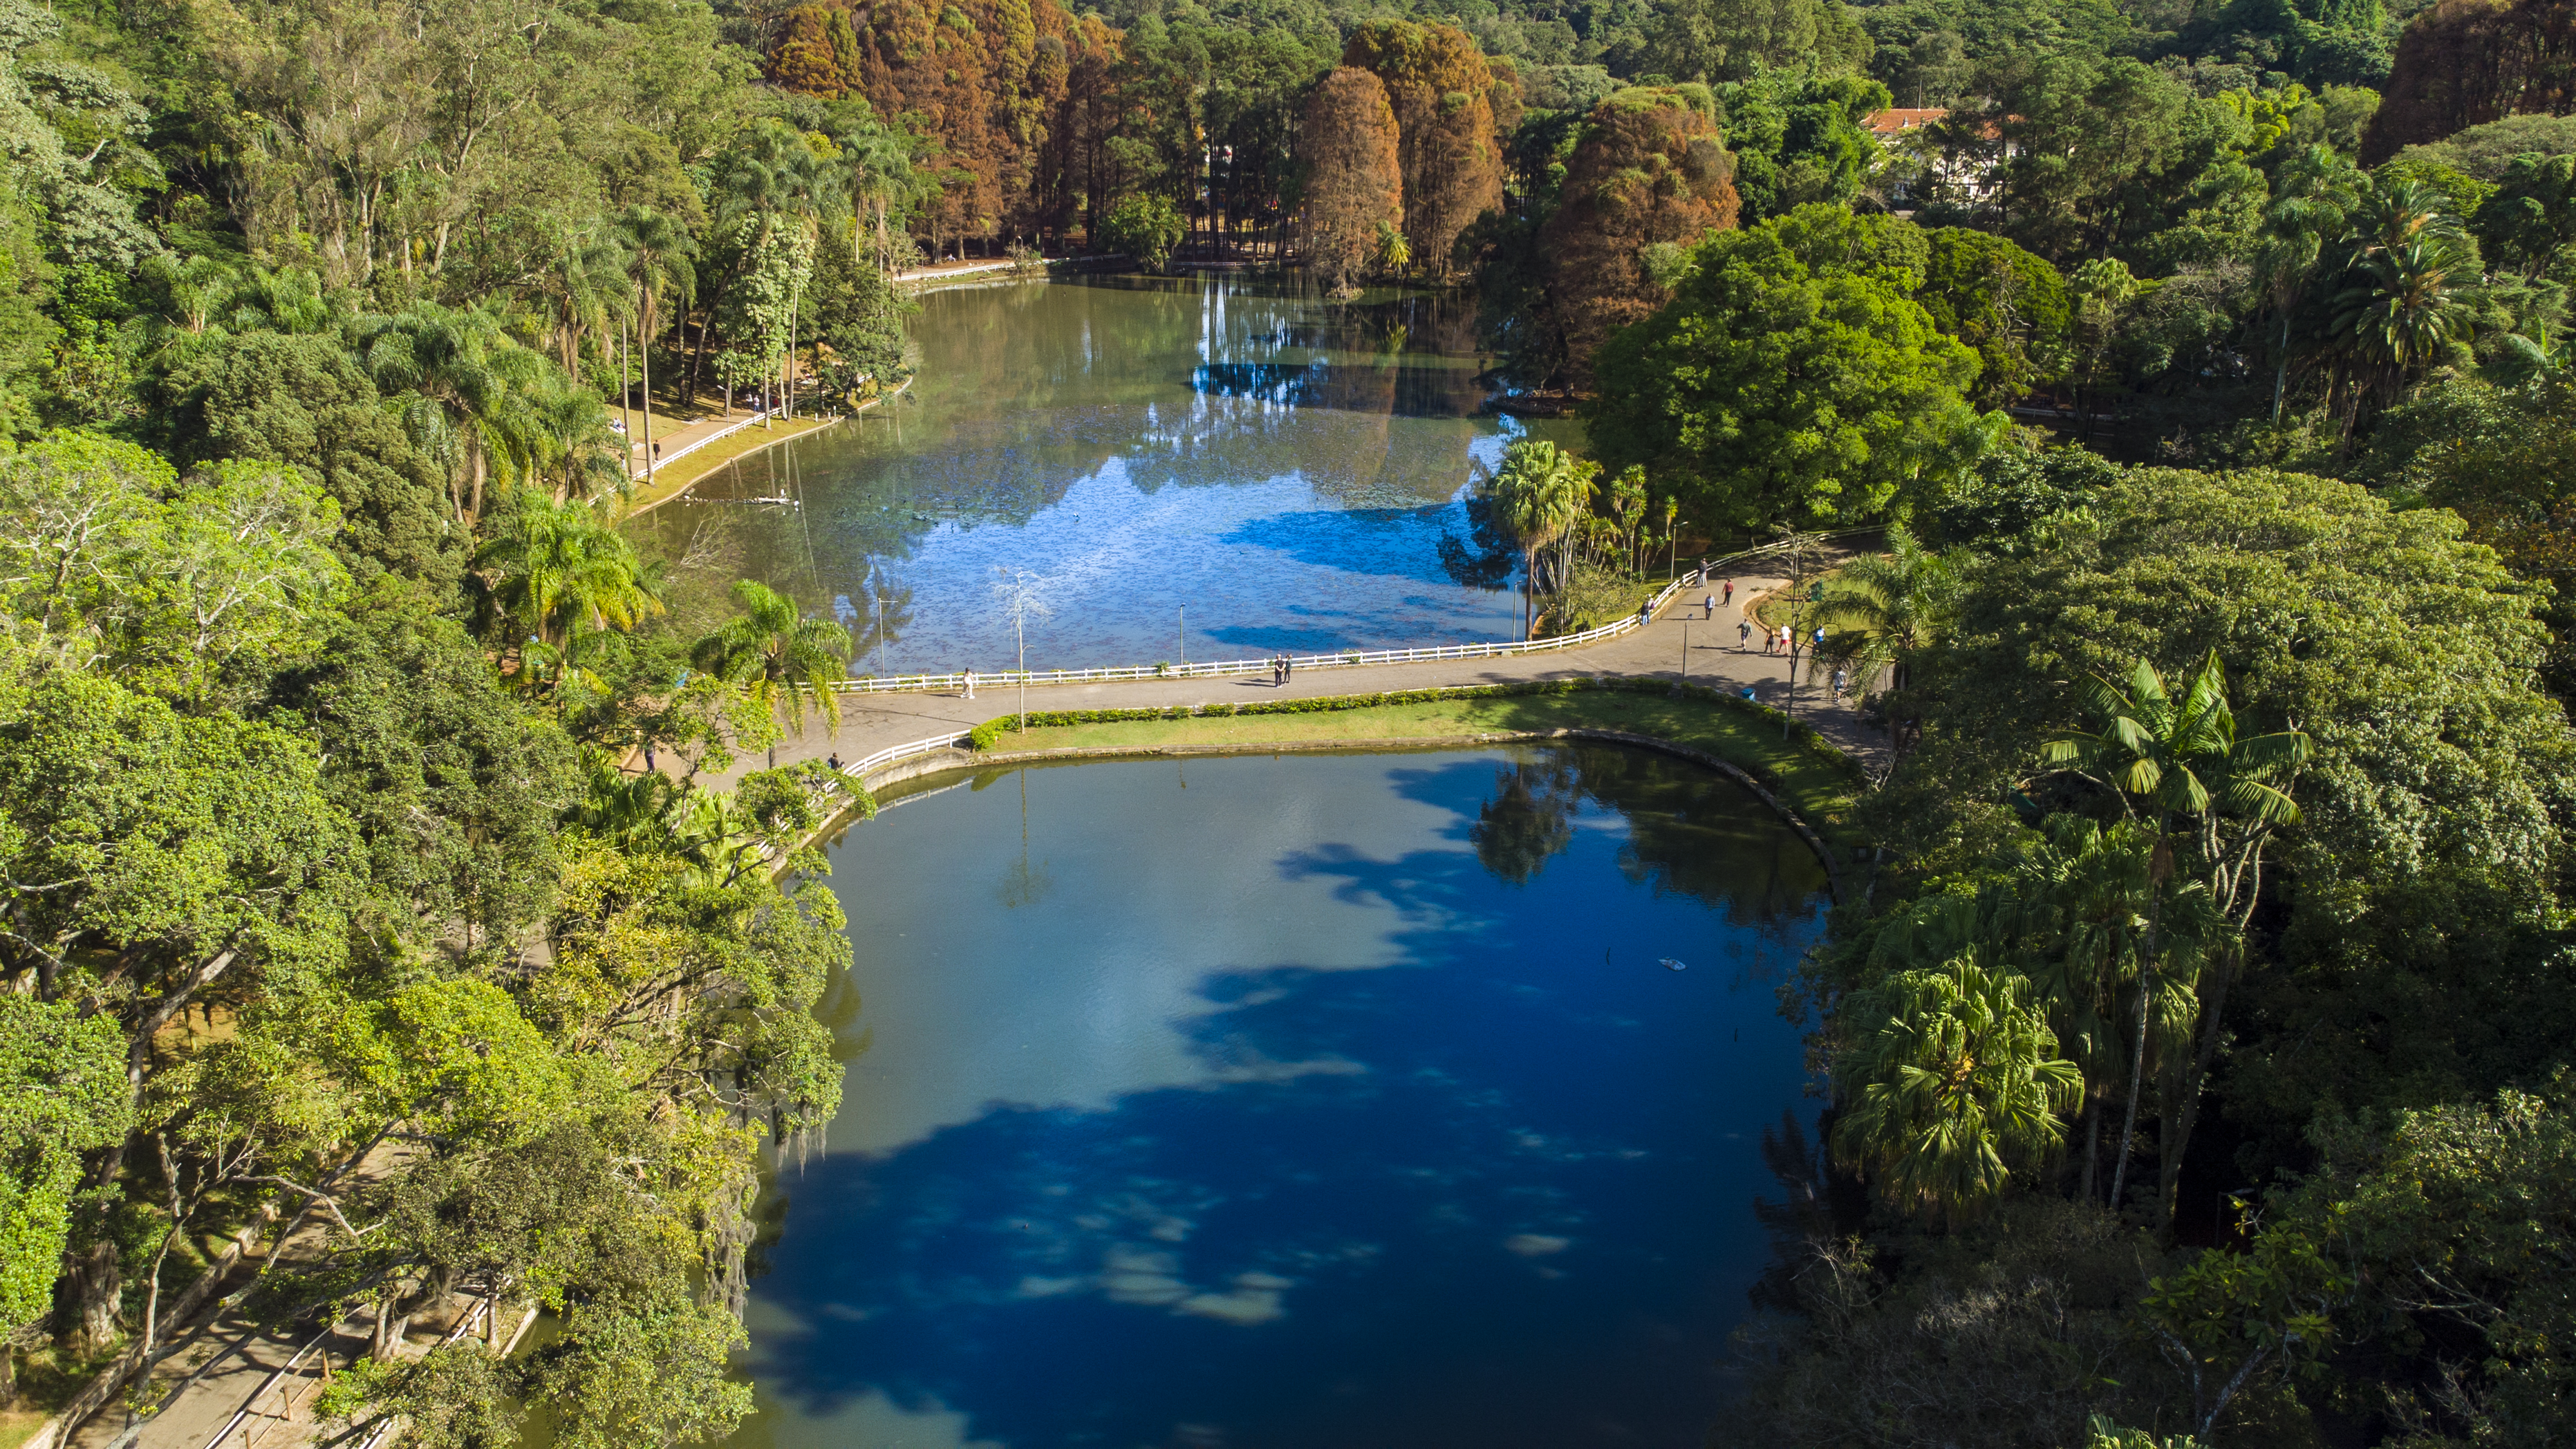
(778,655)
(775,188)
(2177,767)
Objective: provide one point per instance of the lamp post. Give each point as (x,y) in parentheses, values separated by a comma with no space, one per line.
(1018,592)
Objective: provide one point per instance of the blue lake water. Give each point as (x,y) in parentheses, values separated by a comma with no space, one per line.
(1289,1102)
(1205,468)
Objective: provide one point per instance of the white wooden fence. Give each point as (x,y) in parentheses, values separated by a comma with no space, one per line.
(1335,659)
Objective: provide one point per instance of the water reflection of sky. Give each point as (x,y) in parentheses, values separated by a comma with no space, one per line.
(1281,467)
(1251,1103)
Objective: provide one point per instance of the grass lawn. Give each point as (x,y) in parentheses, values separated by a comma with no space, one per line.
(1809,780)
(672,481)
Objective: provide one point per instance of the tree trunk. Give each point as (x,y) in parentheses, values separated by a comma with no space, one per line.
(2092,1141)
(644,355)
(2137,1071)
(2187,1107)
(625,395)
(92,1287)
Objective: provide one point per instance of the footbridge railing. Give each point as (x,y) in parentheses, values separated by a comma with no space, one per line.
(1329,659)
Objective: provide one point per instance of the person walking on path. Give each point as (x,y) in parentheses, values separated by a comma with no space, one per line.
(1842,678)
(1729,588)
(1788,641)
(970,684)
(1708,607)
(1743,635)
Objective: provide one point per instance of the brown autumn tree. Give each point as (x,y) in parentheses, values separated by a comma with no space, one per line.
(2464,63)
(1354,179)
(1443,95)
(979,74)
(1649,169)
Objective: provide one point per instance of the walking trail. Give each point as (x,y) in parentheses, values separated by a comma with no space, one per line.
(871,722)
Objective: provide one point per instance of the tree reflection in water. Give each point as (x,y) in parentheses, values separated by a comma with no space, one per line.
(1691,833)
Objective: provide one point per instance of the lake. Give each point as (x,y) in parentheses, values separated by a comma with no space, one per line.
(1202,468)
(1418,1099)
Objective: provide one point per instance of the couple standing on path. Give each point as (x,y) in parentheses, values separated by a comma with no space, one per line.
(1280,668)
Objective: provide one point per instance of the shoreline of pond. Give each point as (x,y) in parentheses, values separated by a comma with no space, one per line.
(1688,722)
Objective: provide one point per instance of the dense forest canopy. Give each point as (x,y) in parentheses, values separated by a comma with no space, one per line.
(2197,1041)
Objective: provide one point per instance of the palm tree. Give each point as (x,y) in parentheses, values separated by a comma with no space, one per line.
(2407,272)
(470,393)
(1541,494)
(2313,194)
(774,179)
(564,570)
(1954,1078)
(1885,610)
(2092,925)
(2524,361)
(879,177)
(2177,767)
(777,654)
(583,291)
(658,265)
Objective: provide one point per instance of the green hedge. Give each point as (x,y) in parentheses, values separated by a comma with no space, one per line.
(989,734)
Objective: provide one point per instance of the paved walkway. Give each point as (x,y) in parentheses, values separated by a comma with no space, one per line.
(231,1370)
(871,722)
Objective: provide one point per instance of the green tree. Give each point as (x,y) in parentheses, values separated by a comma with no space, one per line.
(1772,392)
(1952,1078)
(564,570)
(1886,608)
(781,658)
(2177,766)
(304,402)
(62,1096)
(1541,495)
(2009,305)
(152,857)
(1145,226)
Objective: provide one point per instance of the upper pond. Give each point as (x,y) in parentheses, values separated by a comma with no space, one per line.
(1290,471)
(1298,1101)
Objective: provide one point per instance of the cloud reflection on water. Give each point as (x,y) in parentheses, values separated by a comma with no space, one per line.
(1337,1138)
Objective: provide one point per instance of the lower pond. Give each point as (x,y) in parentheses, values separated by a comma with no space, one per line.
(1413,1100)
(1201,468)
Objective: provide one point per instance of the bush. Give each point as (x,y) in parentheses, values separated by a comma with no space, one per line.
(1144,227)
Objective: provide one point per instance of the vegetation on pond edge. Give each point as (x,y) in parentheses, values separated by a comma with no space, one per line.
(1807,774)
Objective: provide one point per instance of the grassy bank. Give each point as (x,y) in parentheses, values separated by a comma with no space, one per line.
(681,475)
(1808,776)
